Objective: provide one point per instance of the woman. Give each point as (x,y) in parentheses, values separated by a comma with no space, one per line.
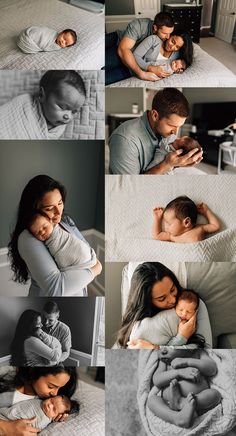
(27,349)
(30,383)
(153,288)
(29,256)
(178,46)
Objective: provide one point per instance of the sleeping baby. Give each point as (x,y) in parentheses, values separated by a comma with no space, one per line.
(36,39)
(46,411)
(183,378)
(171,143)
(67,250)
(162,328)
(179,219)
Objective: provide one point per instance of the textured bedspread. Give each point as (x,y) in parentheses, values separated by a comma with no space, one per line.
(205,71)
(129,204)
(16,15)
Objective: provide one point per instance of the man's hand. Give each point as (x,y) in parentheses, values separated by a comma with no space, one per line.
(158,70)
(158,212)
(147,75)
(174,158)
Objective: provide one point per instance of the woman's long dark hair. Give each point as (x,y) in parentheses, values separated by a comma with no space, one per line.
(32,194)
(140,304)
(186,52)
(28,375)
(24,329)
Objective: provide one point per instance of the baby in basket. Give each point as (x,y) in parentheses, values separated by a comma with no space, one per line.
(179,219)
(36,39)
(46,114)
(183,380)
(67,250)
(166,145)
(46,410)
(162,329)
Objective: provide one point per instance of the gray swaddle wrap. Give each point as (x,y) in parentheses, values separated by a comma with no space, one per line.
(35,39)
(26,410)
(69,251)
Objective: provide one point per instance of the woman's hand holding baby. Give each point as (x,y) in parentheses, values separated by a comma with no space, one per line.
(18,427)
(187,328)
(135,344)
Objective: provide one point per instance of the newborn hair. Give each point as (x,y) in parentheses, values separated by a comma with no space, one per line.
(74,407)
(189,144)
(73,33)
(170,101)
(52,80)
(190,296)
(184,207)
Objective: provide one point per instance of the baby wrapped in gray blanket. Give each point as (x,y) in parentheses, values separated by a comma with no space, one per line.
(67,250)
(36,39)
(45,410)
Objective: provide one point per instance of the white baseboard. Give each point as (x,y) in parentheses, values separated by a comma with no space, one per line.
(83,358)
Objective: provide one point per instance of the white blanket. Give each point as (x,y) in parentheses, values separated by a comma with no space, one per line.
(205,71)
(35,39)
(129,204)
(218,421)
(16,15)
(22,118)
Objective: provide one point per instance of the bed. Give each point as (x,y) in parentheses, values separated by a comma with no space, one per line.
(87,124)
(205,71)
(129,204)
(15,15)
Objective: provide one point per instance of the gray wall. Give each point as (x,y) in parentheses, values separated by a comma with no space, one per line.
(113,300)
(77,313)
(126,7)
(120,100)
(76,164)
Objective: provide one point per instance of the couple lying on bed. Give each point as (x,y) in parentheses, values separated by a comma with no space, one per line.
(32,398)
(149,49)
(46,114)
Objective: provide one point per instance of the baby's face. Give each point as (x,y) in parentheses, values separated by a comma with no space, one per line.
(41,228)
(178,66)
(61,106)
(172,224)
(185,309)
(54,406)
(65,39)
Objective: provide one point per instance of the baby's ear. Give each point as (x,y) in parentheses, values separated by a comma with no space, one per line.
(187,221)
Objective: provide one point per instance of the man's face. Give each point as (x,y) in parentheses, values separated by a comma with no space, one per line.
(50,319)
(167,126)
(163,32)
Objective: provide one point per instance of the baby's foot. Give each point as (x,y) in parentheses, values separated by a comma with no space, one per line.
(175,396)
(186,414)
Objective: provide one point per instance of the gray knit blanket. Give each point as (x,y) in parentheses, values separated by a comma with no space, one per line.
(35,39)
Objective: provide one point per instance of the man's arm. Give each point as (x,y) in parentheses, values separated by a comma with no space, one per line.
(213,224)
(66,345)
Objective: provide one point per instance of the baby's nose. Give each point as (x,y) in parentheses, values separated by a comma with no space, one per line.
(67,116)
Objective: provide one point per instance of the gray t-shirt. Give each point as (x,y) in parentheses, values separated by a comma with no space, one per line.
(137,30)
(132,146)
(62,332)
(147,53)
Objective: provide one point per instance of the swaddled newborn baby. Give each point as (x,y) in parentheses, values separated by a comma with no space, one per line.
(46,411)
(67,250)
(36,39)
(172,143)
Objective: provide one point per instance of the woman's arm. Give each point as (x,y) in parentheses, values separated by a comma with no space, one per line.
(19,427)
(44,271)
(142,49)
(36,346)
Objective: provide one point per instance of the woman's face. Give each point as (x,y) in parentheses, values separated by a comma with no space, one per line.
(52,205)
(164,293)
(49,385)
(174,43)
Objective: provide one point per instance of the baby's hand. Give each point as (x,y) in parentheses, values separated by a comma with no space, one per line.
(179,362)
(192,374)
(61,417)
(158,212)
(202,208)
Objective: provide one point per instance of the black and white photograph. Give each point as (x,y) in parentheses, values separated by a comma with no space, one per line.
(48,332)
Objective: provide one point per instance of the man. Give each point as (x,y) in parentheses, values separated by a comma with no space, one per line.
(56,328)
(119,45)
(133,143)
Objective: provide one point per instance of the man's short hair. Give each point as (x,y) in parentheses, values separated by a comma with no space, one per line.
(51,307)
(163,19)
(170,101)
(183,207)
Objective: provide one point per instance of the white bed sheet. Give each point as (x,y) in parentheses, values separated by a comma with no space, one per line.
(129,204)
(16,15)
(205,71)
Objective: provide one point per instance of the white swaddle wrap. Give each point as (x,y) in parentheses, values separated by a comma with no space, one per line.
(22,118)
(35,39)
(26,410)
(69,251)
